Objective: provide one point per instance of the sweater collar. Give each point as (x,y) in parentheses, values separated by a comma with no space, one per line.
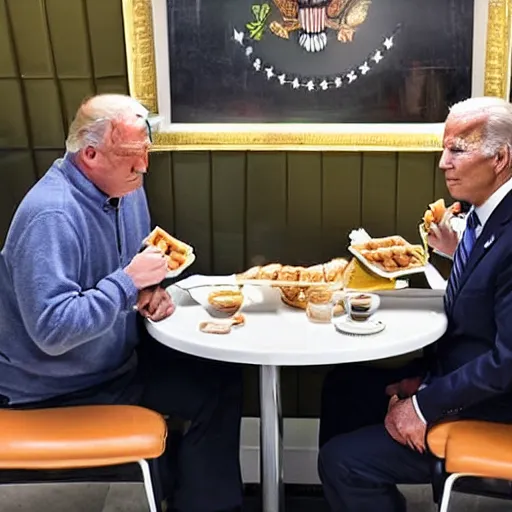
(80,181)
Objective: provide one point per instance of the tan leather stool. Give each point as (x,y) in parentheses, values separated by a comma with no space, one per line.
(471,448)
(83,437)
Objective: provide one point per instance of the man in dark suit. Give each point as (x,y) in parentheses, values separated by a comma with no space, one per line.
(374,420)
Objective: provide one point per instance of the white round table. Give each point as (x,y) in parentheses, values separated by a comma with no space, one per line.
(283,336)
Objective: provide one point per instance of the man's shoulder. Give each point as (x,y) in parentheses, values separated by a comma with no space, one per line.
(51,192)
(50,195)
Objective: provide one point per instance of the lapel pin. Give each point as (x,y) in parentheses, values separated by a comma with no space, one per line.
(489,242)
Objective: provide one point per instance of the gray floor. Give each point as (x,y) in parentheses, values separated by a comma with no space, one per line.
(130,498)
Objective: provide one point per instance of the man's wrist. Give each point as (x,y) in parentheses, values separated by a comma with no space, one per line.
(417,409)
(444,255)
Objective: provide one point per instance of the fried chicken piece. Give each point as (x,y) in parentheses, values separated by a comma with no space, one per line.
(270,271)
(334,269)
(251,273)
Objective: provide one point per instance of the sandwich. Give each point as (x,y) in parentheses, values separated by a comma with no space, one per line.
(175,250)
(227,301)
(436,211)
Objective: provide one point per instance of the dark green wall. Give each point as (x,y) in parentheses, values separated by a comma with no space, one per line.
(235,208)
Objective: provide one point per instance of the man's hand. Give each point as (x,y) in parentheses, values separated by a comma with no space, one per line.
(155,304)
(147,268)
(404,425)
(405,388)
(442,237)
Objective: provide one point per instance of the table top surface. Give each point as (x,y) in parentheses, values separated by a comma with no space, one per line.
(283,336)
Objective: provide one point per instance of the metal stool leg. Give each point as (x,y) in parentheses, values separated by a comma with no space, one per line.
(152,485)
(439,477)
(448,490)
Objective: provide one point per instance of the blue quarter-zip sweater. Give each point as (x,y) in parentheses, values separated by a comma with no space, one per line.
(66,304)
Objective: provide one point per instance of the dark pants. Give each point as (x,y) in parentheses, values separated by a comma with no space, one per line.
(206,394)
(359,462)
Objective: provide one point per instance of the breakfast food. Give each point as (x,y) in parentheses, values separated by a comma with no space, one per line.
(391,253)
(221,327)
(238,319)
(436,212)
(293,295)
(215,328)
(175,250)
(227,301)
(326,272)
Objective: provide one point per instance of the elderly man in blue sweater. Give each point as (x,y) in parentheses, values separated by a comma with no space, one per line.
(71,277)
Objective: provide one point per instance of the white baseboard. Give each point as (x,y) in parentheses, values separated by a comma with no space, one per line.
(300,452)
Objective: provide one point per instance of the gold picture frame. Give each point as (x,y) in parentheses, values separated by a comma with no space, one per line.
(142,76)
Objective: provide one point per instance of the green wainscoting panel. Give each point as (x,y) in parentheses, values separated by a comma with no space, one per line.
(112,84)
(68,33)
(379,193)
(159,187)
(228,212)
(193,205)
(304,209)
(32,44)
(266,207)
(73,93)
(44,158)
(13,129)
(105,19)
(415,173)
(440,189)
(17,175)
(7,64)
(45,113)
(341,201)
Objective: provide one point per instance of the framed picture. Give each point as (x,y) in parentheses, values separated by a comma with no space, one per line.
(313,74)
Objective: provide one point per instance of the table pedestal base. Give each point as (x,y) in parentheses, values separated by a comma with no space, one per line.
(271,440)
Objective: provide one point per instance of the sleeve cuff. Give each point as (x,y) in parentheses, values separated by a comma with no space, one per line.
(442,254)
(417,409)
(126,284)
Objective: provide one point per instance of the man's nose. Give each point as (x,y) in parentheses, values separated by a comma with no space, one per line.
(445,161)
(142,165)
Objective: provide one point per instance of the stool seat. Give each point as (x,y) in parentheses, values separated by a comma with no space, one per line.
(480,448)
(79,437)
(437,438)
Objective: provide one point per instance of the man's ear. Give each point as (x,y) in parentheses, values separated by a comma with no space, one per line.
(89,153)
(503,159)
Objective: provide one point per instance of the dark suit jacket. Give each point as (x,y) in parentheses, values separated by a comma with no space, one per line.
(471,365)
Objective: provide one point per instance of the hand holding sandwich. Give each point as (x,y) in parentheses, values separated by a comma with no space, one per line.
(147,268)
(437,223)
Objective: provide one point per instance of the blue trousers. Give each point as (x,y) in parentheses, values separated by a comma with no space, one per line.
(205,472)
(359,462)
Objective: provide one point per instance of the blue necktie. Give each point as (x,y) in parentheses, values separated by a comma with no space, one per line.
(461,258)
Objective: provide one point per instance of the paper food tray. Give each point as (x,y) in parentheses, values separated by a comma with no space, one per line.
(191,257)
(361,236)
(198,280)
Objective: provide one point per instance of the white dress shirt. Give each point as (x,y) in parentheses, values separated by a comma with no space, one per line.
(483,211)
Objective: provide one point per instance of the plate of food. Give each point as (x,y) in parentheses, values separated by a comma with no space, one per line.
(390,257)
(179,254)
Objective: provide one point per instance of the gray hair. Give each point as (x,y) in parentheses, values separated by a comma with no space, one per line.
(497,118)
(96,115)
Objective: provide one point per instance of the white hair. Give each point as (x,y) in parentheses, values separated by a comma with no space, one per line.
(497,115)
(95,116)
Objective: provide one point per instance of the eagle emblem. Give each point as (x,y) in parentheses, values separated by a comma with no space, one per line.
(312,18)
